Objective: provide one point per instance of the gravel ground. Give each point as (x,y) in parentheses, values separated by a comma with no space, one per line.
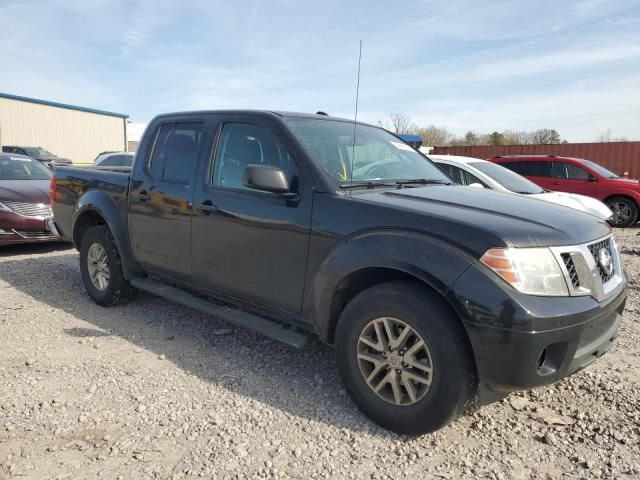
(154,390)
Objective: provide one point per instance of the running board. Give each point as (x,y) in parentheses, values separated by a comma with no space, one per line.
(237,317)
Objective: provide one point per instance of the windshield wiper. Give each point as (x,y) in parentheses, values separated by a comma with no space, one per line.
(423,181)
(369,184)
(395,183)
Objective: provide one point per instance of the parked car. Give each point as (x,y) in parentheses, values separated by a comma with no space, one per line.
(116,161)
(576,175)
(25,207)
(481,173)
(435,295)
(42,155)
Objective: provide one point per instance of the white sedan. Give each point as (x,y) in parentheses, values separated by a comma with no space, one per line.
(481,173)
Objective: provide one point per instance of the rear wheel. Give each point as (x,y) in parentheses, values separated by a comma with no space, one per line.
(625,211)
(404,358)
(101,268)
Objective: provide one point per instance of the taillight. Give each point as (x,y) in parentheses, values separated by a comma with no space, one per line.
(52,191)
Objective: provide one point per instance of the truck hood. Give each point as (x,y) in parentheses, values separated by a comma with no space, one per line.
(25,191)
(479,219)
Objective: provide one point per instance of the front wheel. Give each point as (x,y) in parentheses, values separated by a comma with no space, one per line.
(101,268)
(625,211)
(404,358)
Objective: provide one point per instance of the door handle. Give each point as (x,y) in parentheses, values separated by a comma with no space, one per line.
(143,196)
(556,183)
(207,207)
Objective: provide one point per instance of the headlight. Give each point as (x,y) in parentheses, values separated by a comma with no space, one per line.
(533,271)
(4,208)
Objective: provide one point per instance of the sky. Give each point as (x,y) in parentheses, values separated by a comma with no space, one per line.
(572,65)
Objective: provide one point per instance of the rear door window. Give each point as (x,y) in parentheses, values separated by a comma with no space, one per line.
(175,152)
(180,161)
(462,176)
(529,169)
(569,171)
(163,137)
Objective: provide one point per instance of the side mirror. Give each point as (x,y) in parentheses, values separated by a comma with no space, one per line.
(266,178)
(592,178)
(475,185)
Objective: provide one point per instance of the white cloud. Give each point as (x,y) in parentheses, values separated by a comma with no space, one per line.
(562,61)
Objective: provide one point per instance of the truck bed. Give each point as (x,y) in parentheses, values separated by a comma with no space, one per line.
(74,183)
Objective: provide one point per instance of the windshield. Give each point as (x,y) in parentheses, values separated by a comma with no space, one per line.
(508,179)
(376,156)
(37,152)
(22,168)
(600,170)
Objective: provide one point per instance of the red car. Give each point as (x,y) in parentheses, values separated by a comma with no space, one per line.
(25,207)
(575,175)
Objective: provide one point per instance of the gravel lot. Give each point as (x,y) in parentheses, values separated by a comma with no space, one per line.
(155,390)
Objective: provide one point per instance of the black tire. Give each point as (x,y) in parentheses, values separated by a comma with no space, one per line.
(625,211)
(454,380)
(118,290)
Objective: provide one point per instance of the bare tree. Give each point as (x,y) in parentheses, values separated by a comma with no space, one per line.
(401,123)
(606,137)
(433,136)
(512,137)
(546,136)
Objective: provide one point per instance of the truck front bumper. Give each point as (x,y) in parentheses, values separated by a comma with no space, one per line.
(520,341)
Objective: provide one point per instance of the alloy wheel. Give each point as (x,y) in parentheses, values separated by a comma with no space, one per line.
(98,266)
(621,212)
(394,361)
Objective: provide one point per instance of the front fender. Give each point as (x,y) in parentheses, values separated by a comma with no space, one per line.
(426,258)
(112,211)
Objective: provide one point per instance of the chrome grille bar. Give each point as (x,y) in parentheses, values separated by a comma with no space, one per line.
(29,209)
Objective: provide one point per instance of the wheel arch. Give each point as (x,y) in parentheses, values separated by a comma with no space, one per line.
(97,208)
(380,257)
(621,195)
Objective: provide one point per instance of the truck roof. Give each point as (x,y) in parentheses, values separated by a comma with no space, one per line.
(266,113)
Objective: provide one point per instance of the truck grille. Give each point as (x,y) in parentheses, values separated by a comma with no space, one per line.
(583,271)
(29,209)
(571,269)
(595,248)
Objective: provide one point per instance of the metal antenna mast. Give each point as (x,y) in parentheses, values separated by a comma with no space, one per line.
(355,117)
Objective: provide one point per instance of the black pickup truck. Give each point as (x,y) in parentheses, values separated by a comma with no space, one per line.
(435,296)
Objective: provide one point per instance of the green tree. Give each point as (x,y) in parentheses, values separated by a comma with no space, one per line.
(471,138)
(495,138)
